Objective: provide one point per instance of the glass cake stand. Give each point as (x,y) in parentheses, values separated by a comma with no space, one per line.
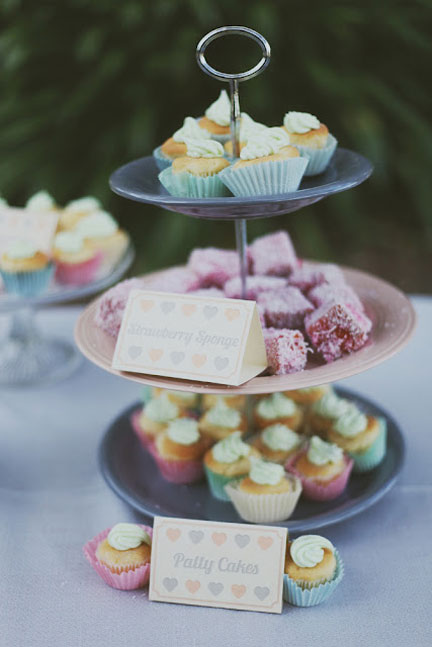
(27,357)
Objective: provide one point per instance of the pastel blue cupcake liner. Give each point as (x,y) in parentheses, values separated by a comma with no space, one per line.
(146,394)
(161,160)
(217,483)
(310,597)
(265,178)
(319,158)
(28,284)
(368,460)
(186,185)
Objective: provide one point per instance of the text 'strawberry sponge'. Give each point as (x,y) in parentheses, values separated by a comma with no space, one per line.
(214,266)
(337,328)
(285,308)
(286,350)
(254,286)
(273,254)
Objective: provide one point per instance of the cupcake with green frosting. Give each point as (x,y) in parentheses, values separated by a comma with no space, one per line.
(277,443)
(185,400)
(309,395)
(179,450)
(175,146)
(266,495)
(153,419)
(312,139)
(313,569)
(196,175)
(362,437)
(323,413)
(226,461)
(277,408)
(221,421)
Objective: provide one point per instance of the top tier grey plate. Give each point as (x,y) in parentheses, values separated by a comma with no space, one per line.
(138,181)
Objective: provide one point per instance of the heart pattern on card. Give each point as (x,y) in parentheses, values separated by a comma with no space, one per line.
(169,583)
(146,305)
(177,357)
(210,311)
(219,538)
(261,592)
(188,309)
(199,360)
(215,587)
(238,590)
(155,354)
(221,363)
(265,542)
(192,585)
(173,534)
(242,540)
(232,313)
(196,536)
(134,351)
(167,307)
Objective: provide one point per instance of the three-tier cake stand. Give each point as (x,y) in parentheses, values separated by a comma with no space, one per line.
(127,469)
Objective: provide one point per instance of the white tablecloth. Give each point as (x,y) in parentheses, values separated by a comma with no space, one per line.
(52,499)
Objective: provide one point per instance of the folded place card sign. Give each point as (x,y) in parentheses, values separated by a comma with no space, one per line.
(194,338)
(211,564)
(22,224)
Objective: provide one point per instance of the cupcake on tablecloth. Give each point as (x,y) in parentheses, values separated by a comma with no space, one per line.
(75,210)
(25,270)
(268,165)
(236,401)
(312,138)
(220,421)
(175,146)
(226,461)
(179,450)
(100,230)
(266,495)
(217,118)
(278,443)
(121,555)
(153,419)
(196,175)
(76,262)
(277,408)
(324,412)
(362,437)
(313,569)
(323,469)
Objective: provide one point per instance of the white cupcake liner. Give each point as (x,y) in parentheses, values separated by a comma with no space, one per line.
(186,185)
(319,158)
(265,178)
(265,508)
(161,160)
(298,596)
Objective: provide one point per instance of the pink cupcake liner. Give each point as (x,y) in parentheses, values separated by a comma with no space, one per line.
(126,581)
(145,440)
(182,472)
(317,491)
(78,273)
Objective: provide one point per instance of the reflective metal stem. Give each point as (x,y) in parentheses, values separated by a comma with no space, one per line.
(235,117)
(241,241)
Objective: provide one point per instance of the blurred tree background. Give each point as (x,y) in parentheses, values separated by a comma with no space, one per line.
(87,85)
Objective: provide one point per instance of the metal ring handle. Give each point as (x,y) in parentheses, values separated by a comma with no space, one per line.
(234,30)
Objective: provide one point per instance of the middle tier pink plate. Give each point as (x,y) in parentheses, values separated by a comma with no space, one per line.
(391,312)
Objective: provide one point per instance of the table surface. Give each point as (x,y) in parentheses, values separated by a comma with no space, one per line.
(53,499)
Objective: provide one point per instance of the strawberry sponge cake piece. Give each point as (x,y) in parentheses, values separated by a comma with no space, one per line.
(214,266)
(321,294)
(285,308)
(308,275)
(273,254)
(254,286)
(286,350)
(175,279)
(112,304)
(337,328)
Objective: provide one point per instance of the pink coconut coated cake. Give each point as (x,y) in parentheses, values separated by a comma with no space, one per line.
(254,286)
(321,294)
(285,308)
(213,266)
(112,305)
(273,254)
(286,350)
(307,276)
(177,280)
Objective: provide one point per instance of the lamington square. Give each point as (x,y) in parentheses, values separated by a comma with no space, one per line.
(254,286)
(273,255)
(214,266)
(308,275)
(286,350)
(285,308)
(325,293)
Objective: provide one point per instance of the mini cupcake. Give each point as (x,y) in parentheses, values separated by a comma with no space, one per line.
(235,401)
(220,421)
(313,569)
(248,128)
(76,262)
(25,270)
(309,395)
(226,461)
(277,443)
(266,495)
(324,412)
(175,146)
(75,210)
(268,165)
(217,118)
(153,419)
(102,232)
(196,175)
(41,202)
(121,555)
(185,400)
(323,469)
(277,408)
(361,437)
(312,138)
(178,451)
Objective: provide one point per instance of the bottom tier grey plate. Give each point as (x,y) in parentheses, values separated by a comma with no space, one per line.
(131,472)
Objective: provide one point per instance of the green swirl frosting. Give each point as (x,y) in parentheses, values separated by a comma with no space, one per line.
(280,438)
(21,249)
(300,122)
(276,405)
(87,205)
(223,416)
(314,389)
(187,397)
(124,536)
(40,201)
(99,224)
(68,241)
(161,409)
(249,127)
(183,431)
(265,142)
(203,148)
(351,422)
(330,405)
(190,129)
(320,453)
(308,551)
(220,110)
(230,449)
(264,472)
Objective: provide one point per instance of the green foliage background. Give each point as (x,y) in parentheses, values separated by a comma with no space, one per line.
(87,85)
